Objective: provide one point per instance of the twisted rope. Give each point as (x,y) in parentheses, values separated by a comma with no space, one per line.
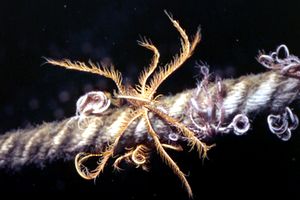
(223,106)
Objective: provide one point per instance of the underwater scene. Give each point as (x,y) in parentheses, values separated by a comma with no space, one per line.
(150,99)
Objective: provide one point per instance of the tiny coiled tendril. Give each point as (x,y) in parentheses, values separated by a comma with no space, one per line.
(283,124)
(288,64)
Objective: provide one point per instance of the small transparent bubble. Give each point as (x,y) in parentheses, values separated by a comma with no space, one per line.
(87,47)
(33,104)
(58,113)
(64,96)
(87,88)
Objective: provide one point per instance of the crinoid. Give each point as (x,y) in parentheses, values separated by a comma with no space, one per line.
(142,101)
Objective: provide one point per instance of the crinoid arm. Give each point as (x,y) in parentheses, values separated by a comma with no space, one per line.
(165,156)
(83,171)
(142,87)
(186,51)
(138,156)
(202,148)
(81,158)
(108,72)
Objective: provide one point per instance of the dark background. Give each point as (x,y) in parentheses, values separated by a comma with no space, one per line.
(233,32)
